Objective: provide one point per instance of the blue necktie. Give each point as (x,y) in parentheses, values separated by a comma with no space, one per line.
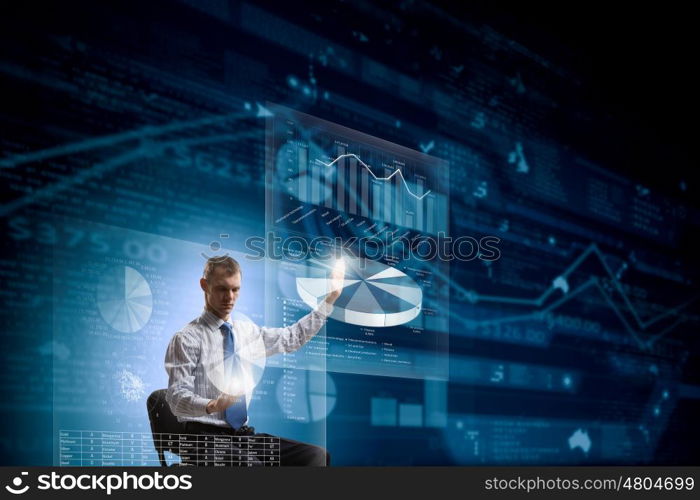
(237,413)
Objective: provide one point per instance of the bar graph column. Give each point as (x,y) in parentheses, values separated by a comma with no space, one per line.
(441,213)
(399,204)
(364,199)
(420,204)
(435,403)
(387,197)
(340,179)
(316,170)
(377,206)
(383,412)
(410,415)
(352,186)
(328,182)
(430,209)
(302,178)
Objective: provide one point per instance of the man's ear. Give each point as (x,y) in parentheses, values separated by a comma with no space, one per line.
(203,285)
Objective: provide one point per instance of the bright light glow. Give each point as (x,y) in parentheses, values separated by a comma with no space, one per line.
(337,278)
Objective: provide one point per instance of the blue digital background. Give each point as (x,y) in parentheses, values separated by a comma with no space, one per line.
(133,135)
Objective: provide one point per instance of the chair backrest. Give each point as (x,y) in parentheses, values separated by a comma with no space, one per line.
(165,427)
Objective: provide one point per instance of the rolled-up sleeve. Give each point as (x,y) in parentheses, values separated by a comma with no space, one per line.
(291,338)
(181,359)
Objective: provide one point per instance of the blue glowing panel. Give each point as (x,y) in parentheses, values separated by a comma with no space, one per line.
(383,411)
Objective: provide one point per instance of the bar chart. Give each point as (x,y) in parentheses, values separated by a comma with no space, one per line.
(331,191)
(358,176)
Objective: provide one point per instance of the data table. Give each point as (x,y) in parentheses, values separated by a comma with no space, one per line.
(105,448)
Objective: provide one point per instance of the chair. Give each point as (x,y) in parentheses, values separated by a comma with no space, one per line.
(165,427)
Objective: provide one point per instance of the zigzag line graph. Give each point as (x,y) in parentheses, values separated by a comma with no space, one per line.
(369,169)
(593,282)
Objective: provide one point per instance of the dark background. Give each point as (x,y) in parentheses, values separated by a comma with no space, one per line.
(610,84)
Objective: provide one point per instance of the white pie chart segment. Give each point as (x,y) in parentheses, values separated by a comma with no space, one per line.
(373,294)
(124,299)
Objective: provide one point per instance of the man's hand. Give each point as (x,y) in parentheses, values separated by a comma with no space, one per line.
(337,281)
(221,403)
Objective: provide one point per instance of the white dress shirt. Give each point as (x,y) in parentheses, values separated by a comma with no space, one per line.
(194,359)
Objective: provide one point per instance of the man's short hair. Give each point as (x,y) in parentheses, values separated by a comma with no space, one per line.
(228,263)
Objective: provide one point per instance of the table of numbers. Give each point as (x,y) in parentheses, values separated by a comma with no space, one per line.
(104,448)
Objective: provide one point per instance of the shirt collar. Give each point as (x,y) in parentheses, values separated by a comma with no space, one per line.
(212,320)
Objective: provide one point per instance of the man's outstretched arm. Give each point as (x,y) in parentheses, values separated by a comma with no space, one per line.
(291,338)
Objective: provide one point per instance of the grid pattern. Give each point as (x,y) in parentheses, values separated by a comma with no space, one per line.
(103,448)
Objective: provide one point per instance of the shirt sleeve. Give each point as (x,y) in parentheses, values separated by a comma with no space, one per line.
(291,338)
(181,359)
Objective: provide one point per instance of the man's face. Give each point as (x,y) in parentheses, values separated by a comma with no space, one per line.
(221,291)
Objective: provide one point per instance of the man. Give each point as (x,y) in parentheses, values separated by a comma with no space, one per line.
(210,386)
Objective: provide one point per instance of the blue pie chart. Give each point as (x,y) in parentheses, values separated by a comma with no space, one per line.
(372,293)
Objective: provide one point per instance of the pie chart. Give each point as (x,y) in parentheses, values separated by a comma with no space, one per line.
(124,299)
(373,294)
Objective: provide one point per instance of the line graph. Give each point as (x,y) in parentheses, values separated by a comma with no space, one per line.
(350,175)
(143,150)
(369,169)
(114,139)
(560,283)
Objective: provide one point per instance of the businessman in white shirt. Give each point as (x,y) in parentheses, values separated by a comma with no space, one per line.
(210,376)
